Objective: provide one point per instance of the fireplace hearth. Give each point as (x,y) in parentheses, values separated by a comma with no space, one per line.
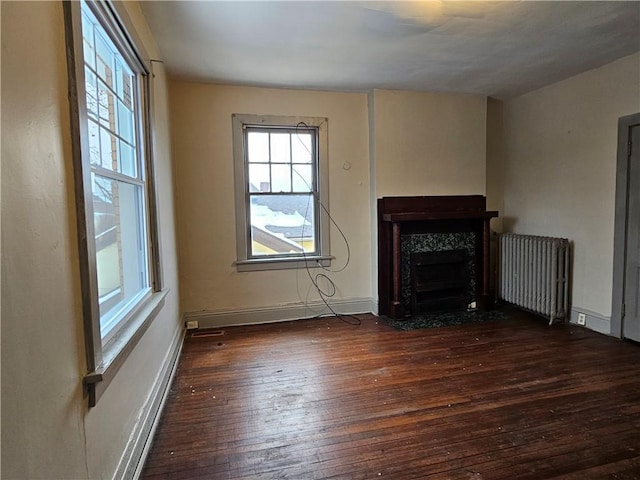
(438,223)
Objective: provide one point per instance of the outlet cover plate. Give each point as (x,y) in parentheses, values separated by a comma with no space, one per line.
(582,319)
(192,324)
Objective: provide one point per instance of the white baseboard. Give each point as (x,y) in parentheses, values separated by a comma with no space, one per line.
(594,321)
(280,313)
(135,454)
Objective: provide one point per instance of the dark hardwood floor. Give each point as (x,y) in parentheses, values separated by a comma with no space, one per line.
(320,399)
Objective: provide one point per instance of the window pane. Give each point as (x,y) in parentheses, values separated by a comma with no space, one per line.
(87,41)
(124,83)
(258,147)
(94,144)
(128,163)
(105,60)
(259,178)
(301,147)
(106,103)
(125,123)
(108,150)
(92,93)
(282,224)
(280,178)
(127,89)
(302,178)
(280,148)
(121,253)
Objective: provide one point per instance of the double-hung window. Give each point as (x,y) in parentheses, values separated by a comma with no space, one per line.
(281,191)
(109,82)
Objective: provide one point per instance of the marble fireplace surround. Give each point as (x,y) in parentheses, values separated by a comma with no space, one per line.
(401,216)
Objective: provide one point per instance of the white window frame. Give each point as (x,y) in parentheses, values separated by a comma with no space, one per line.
(322,256)
(105,354)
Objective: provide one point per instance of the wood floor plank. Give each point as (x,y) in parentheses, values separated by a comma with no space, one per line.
(320,399)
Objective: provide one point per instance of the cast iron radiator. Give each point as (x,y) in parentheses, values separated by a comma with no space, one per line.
(534,274)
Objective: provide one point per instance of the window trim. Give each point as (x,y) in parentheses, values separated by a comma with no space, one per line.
(322,256)
(104,358)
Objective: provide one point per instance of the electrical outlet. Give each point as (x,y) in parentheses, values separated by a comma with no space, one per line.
(582,319)
(192,324)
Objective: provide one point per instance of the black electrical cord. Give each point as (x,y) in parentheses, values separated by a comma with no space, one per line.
(347,318)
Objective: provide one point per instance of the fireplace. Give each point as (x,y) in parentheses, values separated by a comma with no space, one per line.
(416,225)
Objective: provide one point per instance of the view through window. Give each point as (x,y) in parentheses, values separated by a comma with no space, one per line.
(282,190)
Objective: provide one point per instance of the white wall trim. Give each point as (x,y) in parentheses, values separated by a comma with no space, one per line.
(374,306)
(279,313)
(594,321)
(137,449)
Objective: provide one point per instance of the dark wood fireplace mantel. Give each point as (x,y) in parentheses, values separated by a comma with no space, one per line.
(429,214)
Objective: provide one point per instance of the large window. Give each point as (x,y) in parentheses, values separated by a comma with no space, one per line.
(280,165)
(109,81)
(115,127)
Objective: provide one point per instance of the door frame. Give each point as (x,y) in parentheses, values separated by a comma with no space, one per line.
(620,227)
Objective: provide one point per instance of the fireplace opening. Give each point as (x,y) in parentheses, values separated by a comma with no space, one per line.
(440,281)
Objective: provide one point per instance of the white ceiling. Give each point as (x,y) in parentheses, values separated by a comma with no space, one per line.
(500,49)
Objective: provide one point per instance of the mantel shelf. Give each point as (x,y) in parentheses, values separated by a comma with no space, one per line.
(425,216)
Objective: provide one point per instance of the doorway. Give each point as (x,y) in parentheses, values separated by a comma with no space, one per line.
(625,319)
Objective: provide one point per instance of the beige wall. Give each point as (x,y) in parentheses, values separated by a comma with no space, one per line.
(560,165)
(425,143)
(429,143)
(495,160)
(418,149)
(47,431)
(202,150)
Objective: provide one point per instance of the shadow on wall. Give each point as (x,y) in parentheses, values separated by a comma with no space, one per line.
(508,223)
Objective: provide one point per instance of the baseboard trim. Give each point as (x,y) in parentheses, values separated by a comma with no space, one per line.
(135,454)
(280,313)
(594,321)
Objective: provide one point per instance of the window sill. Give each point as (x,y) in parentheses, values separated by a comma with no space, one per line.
(257,264)
(116,351)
